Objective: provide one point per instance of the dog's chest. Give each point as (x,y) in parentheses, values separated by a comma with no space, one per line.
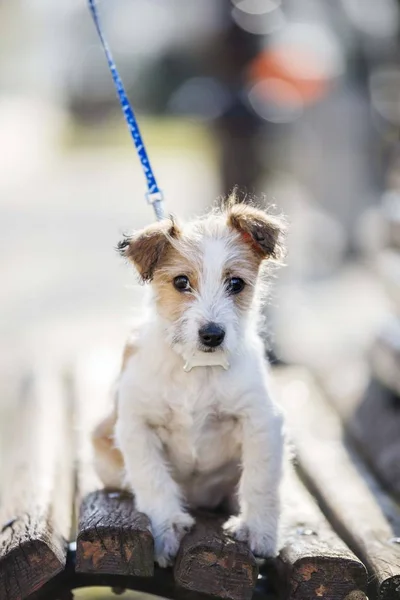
(199,439)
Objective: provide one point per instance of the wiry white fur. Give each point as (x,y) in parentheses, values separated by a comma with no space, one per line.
(198,438)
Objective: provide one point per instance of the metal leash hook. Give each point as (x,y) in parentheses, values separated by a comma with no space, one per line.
(156,199)
(154,195)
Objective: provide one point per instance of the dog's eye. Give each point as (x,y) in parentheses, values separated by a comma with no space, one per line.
(182,283)
(234,285)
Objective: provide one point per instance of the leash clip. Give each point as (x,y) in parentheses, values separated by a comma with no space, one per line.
(156,199)
(152,197)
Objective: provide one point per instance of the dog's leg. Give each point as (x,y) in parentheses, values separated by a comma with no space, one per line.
(156,493)
(108,460)
(259,487)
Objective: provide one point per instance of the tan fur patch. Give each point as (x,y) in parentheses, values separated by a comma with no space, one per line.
(129,350)
(244,299)
(246,265)
(103,441)
(170,302)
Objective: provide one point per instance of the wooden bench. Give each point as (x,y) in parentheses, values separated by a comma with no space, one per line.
(341,530)
(371,410)
(385,353)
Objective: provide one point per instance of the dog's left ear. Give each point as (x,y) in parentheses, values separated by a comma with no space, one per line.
(147,248)
(264,232)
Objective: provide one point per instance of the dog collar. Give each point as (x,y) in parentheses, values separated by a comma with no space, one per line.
(206,359)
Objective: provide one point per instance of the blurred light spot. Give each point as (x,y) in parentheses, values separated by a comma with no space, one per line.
(385,93)
(318,42)
(305,56)
(257,7)
(202,97)
(276,100)
(259,24)
(376,18)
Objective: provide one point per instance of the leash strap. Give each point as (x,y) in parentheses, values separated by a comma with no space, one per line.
(154,195)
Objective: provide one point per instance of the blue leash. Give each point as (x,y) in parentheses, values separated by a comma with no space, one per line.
(154,195)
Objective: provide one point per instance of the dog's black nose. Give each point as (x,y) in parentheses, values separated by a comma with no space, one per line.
(211,335)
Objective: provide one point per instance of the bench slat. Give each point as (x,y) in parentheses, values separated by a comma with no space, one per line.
(37,489)
(371,415)
(314,562)
(210,562)
(335,478)
(112,537)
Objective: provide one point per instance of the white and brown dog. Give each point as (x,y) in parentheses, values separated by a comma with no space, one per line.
(194,424)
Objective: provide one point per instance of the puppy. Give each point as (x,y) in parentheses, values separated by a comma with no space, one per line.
(194,424)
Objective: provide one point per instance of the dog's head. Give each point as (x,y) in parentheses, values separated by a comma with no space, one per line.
(204,274)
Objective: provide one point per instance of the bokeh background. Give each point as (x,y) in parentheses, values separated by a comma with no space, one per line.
(297,101)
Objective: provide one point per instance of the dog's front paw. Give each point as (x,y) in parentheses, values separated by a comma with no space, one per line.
(262,541)
(168,536)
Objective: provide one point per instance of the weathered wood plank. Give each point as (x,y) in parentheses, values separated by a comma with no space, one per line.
(37,484)
(385,356)
(337,481)
(314,562)
(113,537)
(210,562)
(371,416)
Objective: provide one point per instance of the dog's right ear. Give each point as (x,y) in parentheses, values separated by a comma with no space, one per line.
(147,247)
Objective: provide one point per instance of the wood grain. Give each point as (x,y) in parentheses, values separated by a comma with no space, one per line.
(112,536)
(314,562)
(210,562)
(355,509)
(36,503)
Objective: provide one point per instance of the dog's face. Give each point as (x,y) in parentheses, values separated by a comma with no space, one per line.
(204,274)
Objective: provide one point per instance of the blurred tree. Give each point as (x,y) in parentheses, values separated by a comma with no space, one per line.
(237,129)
